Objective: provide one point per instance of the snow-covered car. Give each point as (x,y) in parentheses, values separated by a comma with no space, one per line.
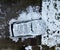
(27,28)
(28,24)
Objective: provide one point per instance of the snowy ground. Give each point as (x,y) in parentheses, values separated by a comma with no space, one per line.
(51,16)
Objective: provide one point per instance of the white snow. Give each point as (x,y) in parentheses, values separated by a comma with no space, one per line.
(50,16)
(28,47)
(32,13)
(15,39)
